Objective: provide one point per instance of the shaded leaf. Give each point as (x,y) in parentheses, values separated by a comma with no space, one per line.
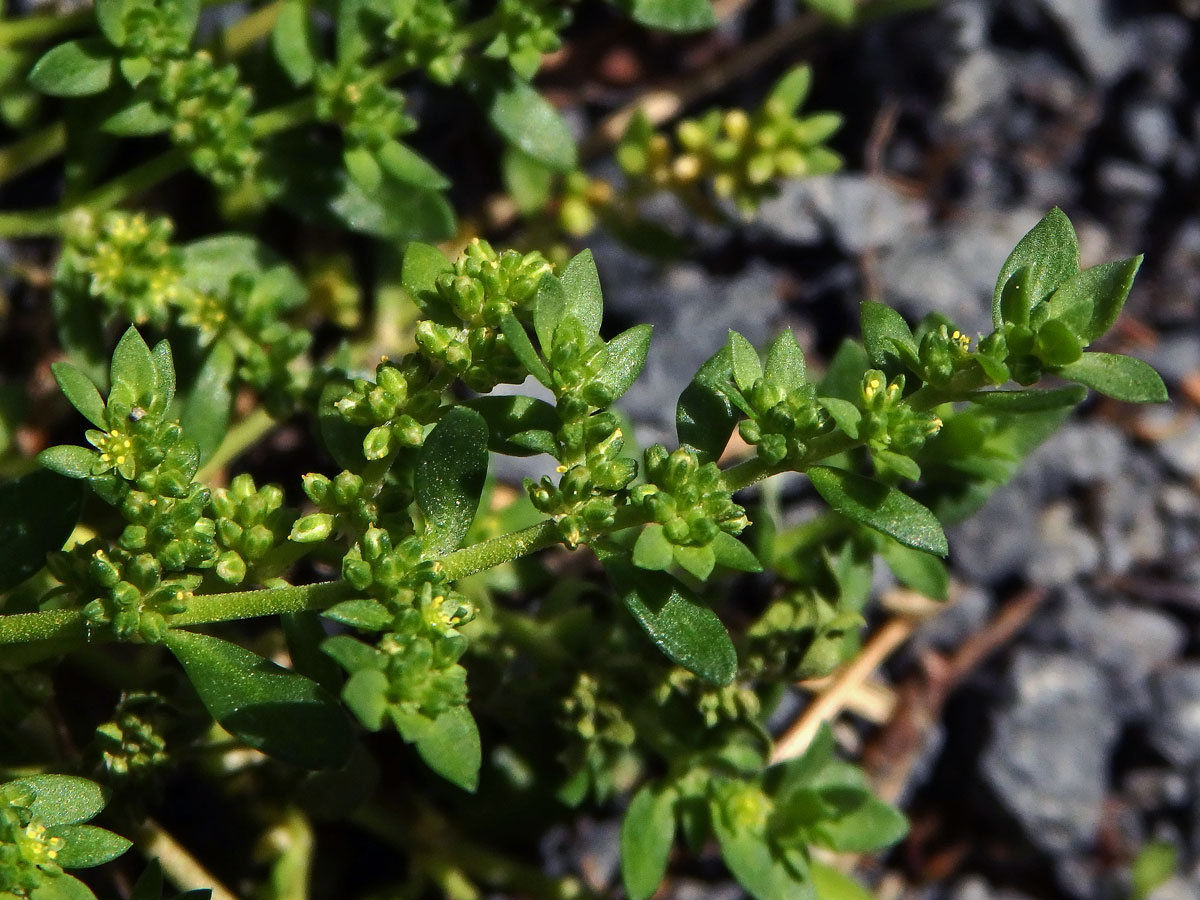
(451,468)
(878,506)
(536,421)
(1029,401)
(522,348)
(209,405)
(704,417)
(527,120)
(1120,377)
(883,329)
(1051,252)
(292,42)
(626,358)
(26,539)
(74,69)
(647,833)
(581,285)
(671,15)
(451,748)
(273,709)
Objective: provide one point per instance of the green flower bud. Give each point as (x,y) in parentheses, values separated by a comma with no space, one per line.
(231,568)
(312,528)
(257,541)
(377,443)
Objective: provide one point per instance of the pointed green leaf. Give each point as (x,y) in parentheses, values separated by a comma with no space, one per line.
(87,846)
(647,833)
(581,284)
(1050,250)
(843,378)
(785,362)
(873,825)
(69,460)
(626,358)
(1123,378)
(653,550)
(916,569)
(1029,401)
(209,404)
(550,306)
(133,365)
(360,612)
(792,89)
(671,15)
(522,348)
(452,748)
(451,468)
(74,69)
(883,329)
(293,42)
(1016,297)
(878,506)
(110,16)
(273,709)
(365,694)
(747,368)
(844,414)
(26,539)
(526,180)
(688,632)
(82,393)
(840,11)
(527,120)
(63,799)
(513,415)
(750,855)
(149,884)
(60,887)
(833,884)
(697,561)
(423,263)
(1090,301)
(164,369)
(408,166)
(733,554)
(704,418)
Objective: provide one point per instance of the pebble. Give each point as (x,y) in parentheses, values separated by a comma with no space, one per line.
(1174,729)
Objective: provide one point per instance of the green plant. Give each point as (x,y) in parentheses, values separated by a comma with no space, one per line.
(410,642)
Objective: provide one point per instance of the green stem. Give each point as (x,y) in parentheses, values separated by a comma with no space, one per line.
(499,550)
(245,33)
(42,27)
(32,150)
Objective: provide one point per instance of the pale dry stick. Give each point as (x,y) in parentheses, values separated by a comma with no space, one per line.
(846,681)
(181,868)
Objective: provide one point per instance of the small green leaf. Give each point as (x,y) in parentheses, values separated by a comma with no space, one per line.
(527,120)
(549,309)
(845,414)
(1123,378)
(840,11)
(1056,344)
(136,69)
(132,365)
(833,884)
(110,16)
(672,15)
(164,370)
(704,417)
(139,119)
(452,748)
(1154,864)
(647,833)
(26,539)
(581,285)
(61,887)
(272,709)
(878,506)
(626,358)
(792,89)
(363,167)
(81,391)
(1050,250)
(408,166)
(884,329)
(697,561)
(733,554)
(422,265)
(451,468)
(785,362)
(209,404)
(748,853)
(747,368)
(526,180)
(87,846)
(292,42)
(361,612)
(873,825)
(916,569)
(1090,301)
(1029,401)
(653,550)
(74,69)
(688,632)
(516,414)
(365,694)
(1016,297)
(149,884)
(522,348)
(843,378)
(69,460)
(63,799)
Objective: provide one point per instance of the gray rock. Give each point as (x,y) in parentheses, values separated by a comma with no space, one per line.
(965,616)
(1175,727)
(1048,757)
(1128,181)
(1129,643)
(1151,129)
(1176,888)
(859,212)
(1153,789)
(1177,355)
(1063,550)
(1080,453)
(1107,52)
(1181,449)
(952,269)
(998,540)
(977,86)
(973,887)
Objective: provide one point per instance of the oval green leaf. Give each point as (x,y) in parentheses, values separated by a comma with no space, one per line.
(26,539)
(74,69)
(878,506)
(451,469)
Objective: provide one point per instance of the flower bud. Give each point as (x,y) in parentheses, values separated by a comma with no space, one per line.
(312,528)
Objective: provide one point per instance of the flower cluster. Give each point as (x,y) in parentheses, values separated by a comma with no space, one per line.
(250,523)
